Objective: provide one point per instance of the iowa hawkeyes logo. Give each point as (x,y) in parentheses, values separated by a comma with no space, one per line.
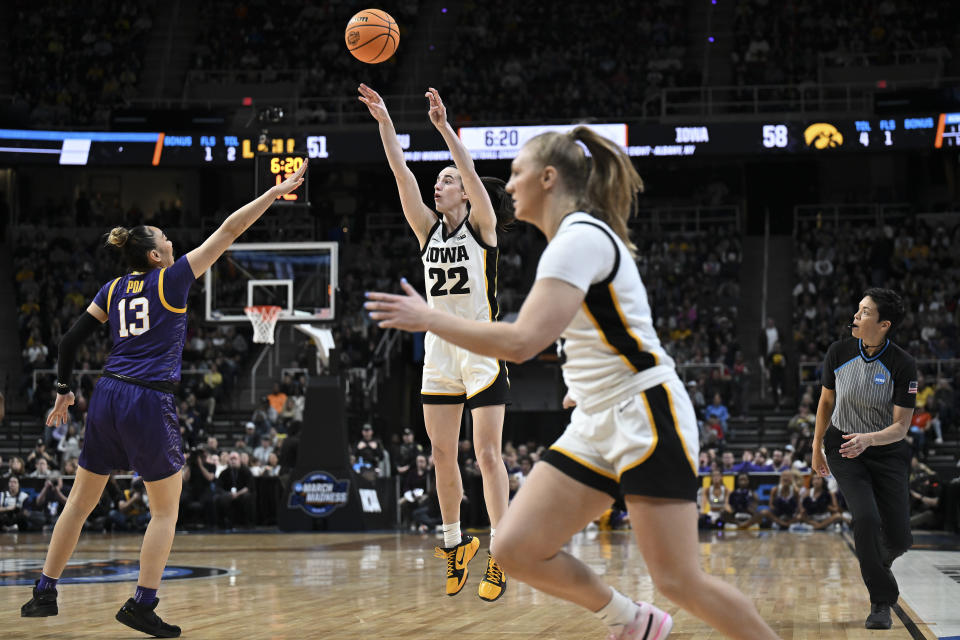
(823,136)
(353,37)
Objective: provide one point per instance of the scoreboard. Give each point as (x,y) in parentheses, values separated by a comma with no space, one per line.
(273,168)
(948,130)
(740,138)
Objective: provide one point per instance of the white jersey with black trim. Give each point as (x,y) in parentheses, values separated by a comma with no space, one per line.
(460,272)
(610,350)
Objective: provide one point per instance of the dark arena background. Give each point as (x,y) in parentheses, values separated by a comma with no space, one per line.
(794,153)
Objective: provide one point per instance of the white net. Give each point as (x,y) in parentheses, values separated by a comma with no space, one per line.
(264,319)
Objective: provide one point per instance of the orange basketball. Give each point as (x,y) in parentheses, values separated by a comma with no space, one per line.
(372,36)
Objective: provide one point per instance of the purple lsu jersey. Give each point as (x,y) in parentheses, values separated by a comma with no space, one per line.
(148,321)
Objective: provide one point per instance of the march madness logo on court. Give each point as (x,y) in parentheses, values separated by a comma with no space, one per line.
(319,494)
(15,572)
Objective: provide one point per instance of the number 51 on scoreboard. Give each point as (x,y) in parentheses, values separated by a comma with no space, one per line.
(273,168)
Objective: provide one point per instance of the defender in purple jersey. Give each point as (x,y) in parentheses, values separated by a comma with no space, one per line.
(132,417)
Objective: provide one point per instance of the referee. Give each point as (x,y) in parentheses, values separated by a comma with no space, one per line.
(869,390)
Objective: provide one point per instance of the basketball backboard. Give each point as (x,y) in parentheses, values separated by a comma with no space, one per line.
(299,277)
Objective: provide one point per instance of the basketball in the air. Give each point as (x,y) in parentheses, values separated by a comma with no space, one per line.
(372,36)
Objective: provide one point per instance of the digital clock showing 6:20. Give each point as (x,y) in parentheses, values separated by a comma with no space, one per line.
(273,168)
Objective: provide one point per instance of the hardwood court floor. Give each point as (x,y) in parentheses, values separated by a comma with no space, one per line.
(390,586)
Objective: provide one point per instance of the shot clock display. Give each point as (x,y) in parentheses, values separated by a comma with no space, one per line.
(273,168)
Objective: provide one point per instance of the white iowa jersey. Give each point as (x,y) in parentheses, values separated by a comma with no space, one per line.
(460,272)
(610,349)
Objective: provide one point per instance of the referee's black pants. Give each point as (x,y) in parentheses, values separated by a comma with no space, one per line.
(876,487)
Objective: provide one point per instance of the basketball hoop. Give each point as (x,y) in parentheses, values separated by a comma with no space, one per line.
(264,319)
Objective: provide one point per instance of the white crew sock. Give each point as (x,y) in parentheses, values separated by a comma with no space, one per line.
(492,531)
(451,534)
(619,612)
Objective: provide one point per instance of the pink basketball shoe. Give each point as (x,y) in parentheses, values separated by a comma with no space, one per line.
(650,623)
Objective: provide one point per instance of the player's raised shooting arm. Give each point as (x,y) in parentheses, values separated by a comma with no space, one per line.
(420,217)
(481,209)
(203,257)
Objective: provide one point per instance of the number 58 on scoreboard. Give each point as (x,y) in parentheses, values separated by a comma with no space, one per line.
(273,168)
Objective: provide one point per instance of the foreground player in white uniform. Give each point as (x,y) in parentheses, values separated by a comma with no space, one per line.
(633,432)
(459,250)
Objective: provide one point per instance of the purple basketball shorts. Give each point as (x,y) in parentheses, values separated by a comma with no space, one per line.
(132,427)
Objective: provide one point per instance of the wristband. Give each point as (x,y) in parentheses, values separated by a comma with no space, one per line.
(62,389)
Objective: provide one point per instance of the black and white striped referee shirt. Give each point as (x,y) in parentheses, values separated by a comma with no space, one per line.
(867,387)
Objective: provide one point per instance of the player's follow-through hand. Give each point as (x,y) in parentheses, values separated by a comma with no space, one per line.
(376,105)
(438,112)
(58,415)
(294,181)
(391,311)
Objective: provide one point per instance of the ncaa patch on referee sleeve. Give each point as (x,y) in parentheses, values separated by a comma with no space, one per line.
(912,388)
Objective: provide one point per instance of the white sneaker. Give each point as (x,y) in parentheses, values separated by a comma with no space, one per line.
(939,441)
(650,623)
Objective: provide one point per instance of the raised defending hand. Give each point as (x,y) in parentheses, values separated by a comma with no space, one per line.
(438,112)
(390,311)
(378,109)
(294,181)
(58,415)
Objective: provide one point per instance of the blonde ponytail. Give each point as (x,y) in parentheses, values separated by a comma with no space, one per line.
(605,185)
(118,237)
(612,183)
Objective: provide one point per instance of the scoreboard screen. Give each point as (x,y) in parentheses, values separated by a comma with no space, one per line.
(948,130)
(641,139)
(825,136)
(496,143)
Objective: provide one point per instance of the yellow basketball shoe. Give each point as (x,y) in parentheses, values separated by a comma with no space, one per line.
(494,583)
(457,559)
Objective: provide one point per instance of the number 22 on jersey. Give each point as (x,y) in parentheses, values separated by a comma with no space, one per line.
(141,320)
(440,278)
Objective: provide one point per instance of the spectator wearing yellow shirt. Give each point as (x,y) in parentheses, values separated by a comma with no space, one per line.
(213,379)
(926,391)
